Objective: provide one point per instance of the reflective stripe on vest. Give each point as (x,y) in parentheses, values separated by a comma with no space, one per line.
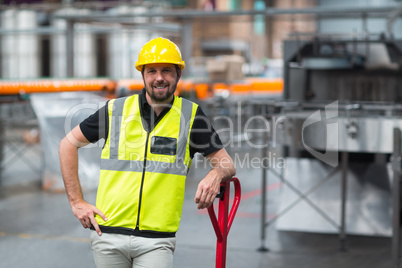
(138,166)
(143,174)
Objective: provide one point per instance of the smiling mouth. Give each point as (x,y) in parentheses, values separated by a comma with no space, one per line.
(160,87)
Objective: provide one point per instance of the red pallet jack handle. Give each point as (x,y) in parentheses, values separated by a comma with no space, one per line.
(225,219)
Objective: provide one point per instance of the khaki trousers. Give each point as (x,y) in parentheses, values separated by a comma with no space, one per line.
(126,251)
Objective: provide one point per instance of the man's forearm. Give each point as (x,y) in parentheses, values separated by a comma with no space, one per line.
(224,173)
(68,152)
(223,166)
(69,169)
(222,170)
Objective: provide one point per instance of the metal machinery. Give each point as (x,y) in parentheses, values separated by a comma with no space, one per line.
(342,103)
(20,121)
(341,106)
(17,137)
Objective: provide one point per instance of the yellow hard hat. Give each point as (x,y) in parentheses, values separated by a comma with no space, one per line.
(159,50)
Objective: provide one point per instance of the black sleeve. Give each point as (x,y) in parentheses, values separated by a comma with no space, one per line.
(95,127)
(203,137)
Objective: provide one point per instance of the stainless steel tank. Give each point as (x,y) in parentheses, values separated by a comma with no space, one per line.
(84,47)
(19,51)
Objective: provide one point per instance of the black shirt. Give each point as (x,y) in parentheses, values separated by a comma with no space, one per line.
(203,137)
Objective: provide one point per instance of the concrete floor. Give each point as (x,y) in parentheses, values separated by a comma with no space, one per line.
(38,229)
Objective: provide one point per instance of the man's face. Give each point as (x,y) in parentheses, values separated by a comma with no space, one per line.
(160,80)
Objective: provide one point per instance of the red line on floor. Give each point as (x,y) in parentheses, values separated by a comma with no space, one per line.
(258,191)
(253,215)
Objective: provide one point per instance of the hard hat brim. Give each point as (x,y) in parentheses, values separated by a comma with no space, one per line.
(139,65)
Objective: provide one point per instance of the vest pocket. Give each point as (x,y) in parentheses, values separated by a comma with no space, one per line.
(163,145)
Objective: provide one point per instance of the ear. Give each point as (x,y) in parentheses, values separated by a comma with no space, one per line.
(178,74)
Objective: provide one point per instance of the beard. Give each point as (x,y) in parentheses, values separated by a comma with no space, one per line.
(160,97)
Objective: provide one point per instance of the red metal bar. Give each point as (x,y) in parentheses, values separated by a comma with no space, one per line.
(215,223)
(225,219)
(236,202)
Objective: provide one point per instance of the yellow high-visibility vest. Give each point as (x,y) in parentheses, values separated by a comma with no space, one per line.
(142,176)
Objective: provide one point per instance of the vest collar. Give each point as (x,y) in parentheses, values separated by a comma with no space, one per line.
(146,110)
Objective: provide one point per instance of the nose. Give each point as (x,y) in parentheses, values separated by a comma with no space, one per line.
(159,76)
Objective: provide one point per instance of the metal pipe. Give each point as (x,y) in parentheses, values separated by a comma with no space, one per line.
(338,11)
(2,142)
(38,31)
(187,43)
(391,20)
(94,30)
(264,195)
(55,6)
(366,31)
(322,11)
(351,35)
(70,48)
(342,229)
(1,67)
(396,221)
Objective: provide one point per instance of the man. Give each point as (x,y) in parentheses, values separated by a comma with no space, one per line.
(150,140)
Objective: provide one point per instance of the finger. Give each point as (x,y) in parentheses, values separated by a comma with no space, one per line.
(84,223)
(203,199)
(206,204)
(95,225)
(212,198)
(209,201)
(100,213)
(200,203)
(198,195)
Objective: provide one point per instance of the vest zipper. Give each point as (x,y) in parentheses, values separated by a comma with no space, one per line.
(145,162)
(142,181)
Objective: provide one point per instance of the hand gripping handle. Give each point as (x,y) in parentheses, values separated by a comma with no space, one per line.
(224,222)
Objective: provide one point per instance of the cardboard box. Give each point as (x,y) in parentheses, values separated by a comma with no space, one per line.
(225,68)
